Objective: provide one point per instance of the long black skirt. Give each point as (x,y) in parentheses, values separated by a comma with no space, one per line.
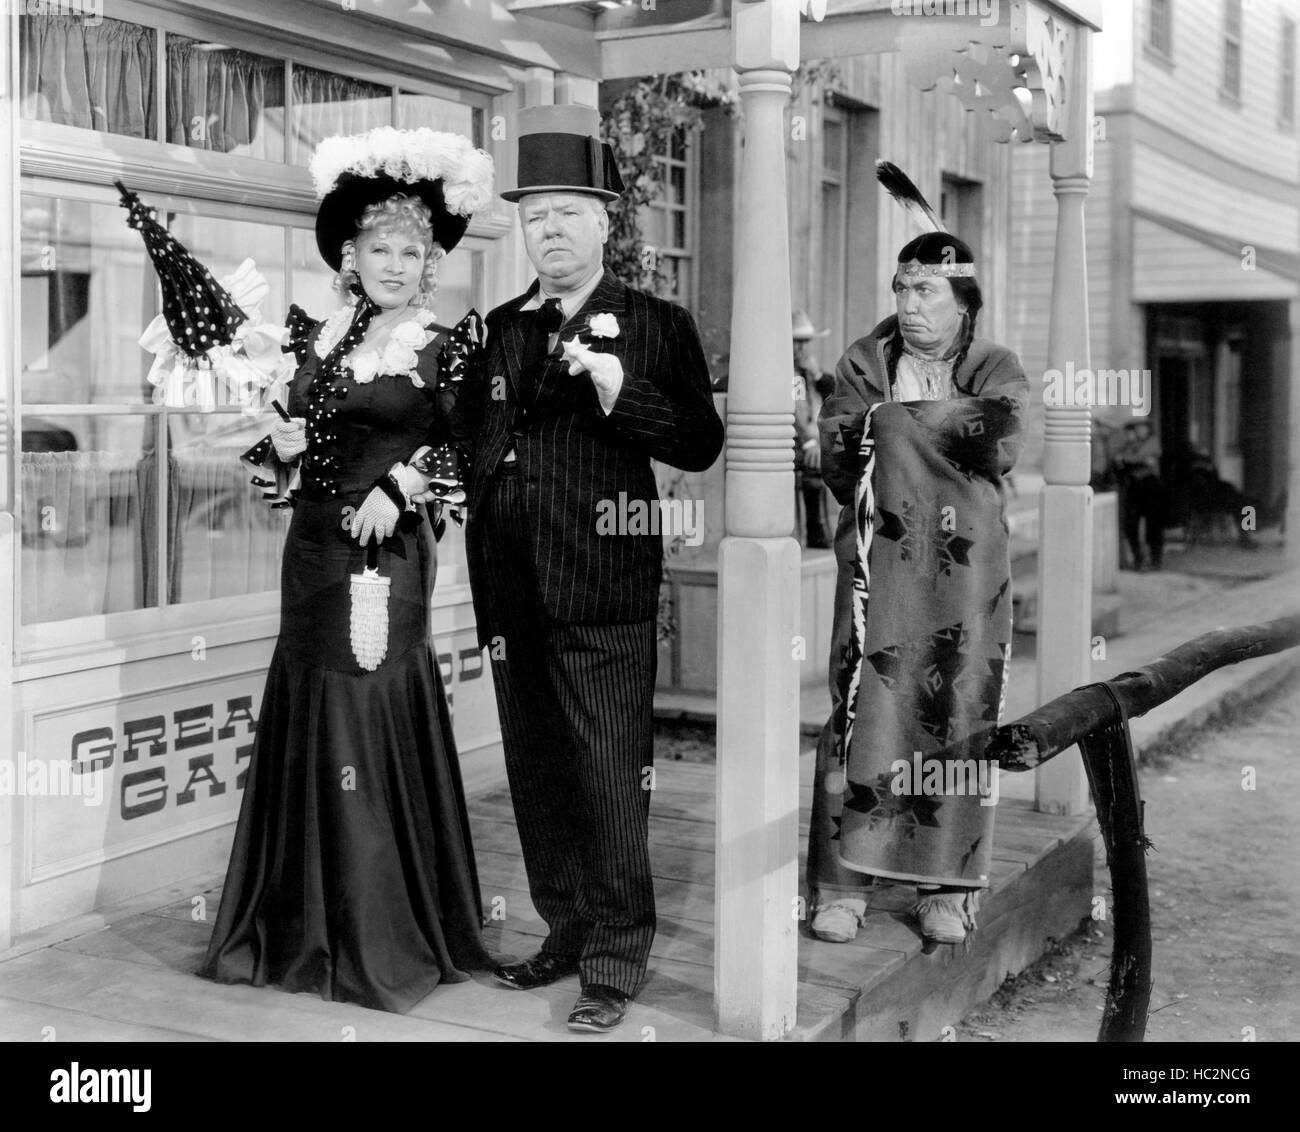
(352,872)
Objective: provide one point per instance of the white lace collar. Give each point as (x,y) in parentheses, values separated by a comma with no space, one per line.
(399,355)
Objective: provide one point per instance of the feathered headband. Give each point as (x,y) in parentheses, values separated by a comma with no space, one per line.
(899,186)
(446,171)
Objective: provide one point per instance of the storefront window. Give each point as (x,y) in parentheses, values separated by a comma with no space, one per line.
(325,104)
(224,100)
(99,529)
(92,76)
(125,503)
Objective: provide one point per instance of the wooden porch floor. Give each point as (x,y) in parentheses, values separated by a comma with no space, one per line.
(128,975)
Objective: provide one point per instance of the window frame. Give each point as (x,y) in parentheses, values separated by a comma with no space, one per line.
(1286,114)
(1163,51)
(834,279)
(662,210)
(1234,34)
(77,164)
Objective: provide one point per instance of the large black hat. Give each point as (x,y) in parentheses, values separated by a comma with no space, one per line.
(443,170)
(560,151)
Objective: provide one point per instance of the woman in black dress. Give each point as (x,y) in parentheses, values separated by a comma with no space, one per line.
(352,872)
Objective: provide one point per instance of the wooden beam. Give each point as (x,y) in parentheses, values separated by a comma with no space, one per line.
(1058,725)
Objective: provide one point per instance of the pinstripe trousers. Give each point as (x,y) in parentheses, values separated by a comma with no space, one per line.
(576,707)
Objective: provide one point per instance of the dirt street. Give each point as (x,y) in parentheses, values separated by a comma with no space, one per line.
(1225,899)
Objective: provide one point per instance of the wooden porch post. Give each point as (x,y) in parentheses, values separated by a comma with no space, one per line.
(756,914)
(1065,509)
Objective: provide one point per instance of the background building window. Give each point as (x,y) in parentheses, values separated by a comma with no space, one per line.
(1232,49)
(831,296)
(1286,83)
(961,208)
(668,225)
(1160,29)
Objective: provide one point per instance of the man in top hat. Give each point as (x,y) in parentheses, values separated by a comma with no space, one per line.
(585,382)
(923,421)
(810,387)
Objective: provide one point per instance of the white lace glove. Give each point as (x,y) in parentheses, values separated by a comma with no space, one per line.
(605,369)
(289,438)
(378,515)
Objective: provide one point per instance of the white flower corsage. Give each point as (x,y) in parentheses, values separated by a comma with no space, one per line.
(603,325)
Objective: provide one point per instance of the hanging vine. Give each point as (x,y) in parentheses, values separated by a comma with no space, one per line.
(640,122)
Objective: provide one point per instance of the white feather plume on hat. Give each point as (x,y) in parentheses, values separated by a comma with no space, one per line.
(409,155)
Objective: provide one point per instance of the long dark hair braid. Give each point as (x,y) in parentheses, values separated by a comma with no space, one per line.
(966,291)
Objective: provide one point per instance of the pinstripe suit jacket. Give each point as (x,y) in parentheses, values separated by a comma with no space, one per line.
(572,457)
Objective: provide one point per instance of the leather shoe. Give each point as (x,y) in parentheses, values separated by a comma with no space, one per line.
(599,1009)
(539,971)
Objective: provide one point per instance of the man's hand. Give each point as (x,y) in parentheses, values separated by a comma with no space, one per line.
(289,438)
(812,455)
(605,369)
(378,515)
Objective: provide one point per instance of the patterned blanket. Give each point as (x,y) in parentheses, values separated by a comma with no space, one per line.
(924,676)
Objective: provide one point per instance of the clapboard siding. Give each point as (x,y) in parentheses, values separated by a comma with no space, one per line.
(1186,94)
(1174,188)
(928,135)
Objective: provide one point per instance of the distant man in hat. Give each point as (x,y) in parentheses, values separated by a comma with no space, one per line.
(586,381)
(1142,493)
(810,387)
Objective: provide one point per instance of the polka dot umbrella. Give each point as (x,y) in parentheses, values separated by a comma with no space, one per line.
(199,312)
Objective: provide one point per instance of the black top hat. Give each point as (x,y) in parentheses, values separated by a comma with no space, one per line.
(445,171)
(560,151)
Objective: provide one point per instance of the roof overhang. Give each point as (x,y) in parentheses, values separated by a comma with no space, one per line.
(676,35)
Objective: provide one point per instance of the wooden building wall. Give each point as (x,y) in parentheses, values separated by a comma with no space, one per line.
(927,133)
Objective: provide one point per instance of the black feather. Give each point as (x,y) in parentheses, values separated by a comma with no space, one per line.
(899,186)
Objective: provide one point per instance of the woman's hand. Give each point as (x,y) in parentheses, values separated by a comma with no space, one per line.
(289,438)
(377,515)
(812,455)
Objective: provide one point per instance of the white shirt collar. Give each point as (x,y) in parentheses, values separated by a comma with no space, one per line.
(571,303)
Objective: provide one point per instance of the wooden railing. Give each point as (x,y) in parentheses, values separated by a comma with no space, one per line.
(1096,718)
